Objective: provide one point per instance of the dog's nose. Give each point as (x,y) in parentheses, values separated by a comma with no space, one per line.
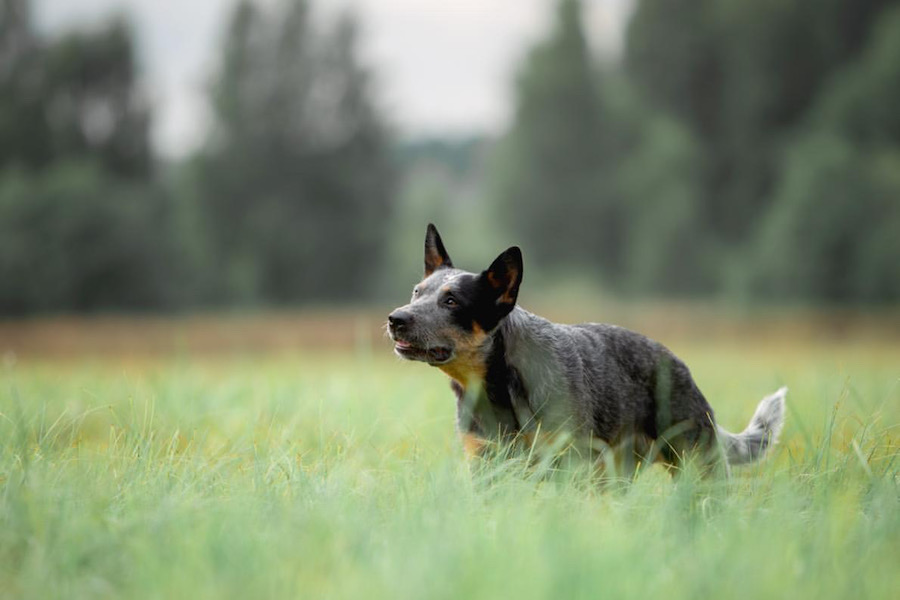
(399,320)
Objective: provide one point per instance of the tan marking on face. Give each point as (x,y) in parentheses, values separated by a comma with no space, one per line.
(469,365)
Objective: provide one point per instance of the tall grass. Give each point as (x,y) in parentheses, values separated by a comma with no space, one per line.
(310,477)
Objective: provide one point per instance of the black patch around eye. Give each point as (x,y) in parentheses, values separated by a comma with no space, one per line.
(474,306)
(477,304)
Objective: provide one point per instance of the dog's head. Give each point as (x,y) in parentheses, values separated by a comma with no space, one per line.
(453,311)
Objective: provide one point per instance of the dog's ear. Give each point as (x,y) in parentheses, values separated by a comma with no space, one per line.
(436,256)
(503,278)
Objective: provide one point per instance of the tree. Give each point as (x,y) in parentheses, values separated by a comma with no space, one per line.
(23,128)
(552,188)
(832,233)
(832,230)
(83,225)
(297,173)
(662,178)
(73,238)
(741,76)
(93,104)
(70,97)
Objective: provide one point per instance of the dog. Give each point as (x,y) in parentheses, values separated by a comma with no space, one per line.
(518,376)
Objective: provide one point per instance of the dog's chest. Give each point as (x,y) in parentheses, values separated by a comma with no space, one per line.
(477,412)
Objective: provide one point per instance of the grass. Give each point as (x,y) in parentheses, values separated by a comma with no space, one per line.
(340,476)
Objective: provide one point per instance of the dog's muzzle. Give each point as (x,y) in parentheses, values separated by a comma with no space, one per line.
(399,323)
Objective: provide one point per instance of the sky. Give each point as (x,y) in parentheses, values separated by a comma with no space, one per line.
(442,67)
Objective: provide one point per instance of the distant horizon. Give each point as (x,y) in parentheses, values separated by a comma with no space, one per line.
(457,86)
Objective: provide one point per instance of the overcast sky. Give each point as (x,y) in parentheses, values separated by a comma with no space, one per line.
(442,66)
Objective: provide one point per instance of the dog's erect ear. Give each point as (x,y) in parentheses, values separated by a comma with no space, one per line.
(503,278)
(436,256)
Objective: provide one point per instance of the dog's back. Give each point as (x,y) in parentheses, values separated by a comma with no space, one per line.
(607,382)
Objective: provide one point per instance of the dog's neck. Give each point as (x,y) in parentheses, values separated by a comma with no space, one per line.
(481,380)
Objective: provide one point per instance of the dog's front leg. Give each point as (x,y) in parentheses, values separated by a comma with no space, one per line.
(473,445)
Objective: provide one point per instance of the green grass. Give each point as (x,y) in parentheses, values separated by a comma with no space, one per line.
(309,477)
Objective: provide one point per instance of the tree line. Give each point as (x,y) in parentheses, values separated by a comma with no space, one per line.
(286,201)
(751,149)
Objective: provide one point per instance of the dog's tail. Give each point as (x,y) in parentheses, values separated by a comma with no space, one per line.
(762,432)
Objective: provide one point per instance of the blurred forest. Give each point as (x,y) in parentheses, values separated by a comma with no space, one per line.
(746,150)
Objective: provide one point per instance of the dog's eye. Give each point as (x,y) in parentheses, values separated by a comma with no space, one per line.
(450,301)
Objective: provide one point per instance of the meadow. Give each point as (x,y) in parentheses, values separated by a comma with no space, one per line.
(336,473)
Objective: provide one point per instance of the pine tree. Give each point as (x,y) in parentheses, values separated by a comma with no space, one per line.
(552,187)
(297,172)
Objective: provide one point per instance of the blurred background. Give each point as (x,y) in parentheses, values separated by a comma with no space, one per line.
(161,156)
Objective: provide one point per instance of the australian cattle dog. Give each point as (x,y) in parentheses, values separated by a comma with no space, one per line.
(518,376)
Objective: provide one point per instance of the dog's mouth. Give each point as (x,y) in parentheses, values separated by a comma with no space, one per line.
(435,355)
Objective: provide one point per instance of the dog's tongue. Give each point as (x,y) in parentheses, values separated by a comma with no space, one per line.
(402,344)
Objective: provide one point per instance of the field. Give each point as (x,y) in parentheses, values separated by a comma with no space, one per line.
(334,471)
